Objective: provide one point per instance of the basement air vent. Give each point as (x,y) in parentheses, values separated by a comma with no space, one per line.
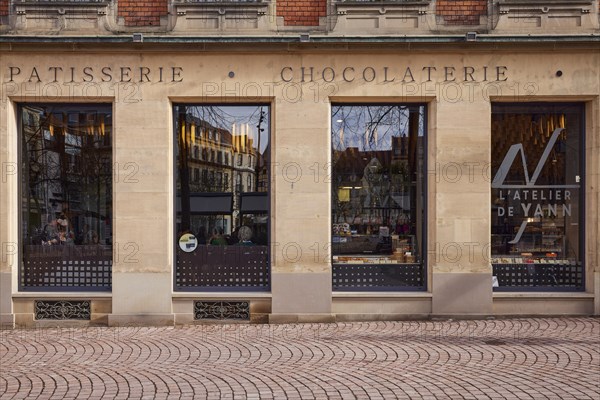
(220,310)
(61,309)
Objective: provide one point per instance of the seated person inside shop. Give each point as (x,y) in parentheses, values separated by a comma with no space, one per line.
(217,238)
(58,231)
(245,236)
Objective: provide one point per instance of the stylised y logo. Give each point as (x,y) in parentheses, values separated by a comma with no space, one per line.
(511,155)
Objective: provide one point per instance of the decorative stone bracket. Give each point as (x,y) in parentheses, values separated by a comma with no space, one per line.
(222,16)
(382,17)
(546,16)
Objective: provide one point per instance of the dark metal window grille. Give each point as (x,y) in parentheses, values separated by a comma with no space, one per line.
(61,309)
(551,276)
(377,277)
(67,267)
(223,267)
(220,310)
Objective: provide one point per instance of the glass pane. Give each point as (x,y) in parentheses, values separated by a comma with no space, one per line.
(378,192)
(222,188)
(536,195)
(66,171)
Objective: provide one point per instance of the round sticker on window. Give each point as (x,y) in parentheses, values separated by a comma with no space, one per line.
(188,242)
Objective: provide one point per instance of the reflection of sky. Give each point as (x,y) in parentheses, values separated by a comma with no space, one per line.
(370,128)
(225,116)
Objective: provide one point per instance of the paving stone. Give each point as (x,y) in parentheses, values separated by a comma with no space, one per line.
(535,358)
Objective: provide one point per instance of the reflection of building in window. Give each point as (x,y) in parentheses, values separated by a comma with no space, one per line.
(67,160)
(211,144)
(230,163)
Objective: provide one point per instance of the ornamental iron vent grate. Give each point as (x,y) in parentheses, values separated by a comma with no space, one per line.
(60,309)
(539,276)
(377,277)
(220,310)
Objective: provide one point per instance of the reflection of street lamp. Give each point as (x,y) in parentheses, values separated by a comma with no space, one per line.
(259,130)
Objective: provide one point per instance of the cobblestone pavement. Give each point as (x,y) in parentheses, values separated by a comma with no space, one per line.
(553,358)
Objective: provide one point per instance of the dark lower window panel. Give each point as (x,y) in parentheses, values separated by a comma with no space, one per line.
(223,268)
(66,268)
(539,276)
(378,277)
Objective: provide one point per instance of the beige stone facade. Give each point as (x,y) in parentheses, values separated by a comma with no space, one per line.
(459,211)
(456,80)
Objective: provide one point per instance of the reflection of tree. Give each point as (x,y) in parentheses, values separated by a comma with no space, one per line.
(377,144)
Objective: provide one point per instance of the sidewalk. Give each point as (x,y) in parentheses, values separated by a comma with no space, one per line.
(541,358)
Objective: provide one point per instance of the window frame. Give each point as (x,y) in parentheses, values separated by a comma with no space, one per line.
(551,107)
(425,183)
(270,133)
(19,137)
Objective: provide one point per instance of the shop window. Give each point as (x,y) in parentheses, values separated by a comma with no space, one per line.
(66,196)
(378,197)
(222,240)
(537,197)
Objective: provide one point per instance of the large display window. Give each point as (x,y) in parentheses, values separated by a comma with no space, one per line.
(66,196)
(222,197)
(378,196)
(537,196)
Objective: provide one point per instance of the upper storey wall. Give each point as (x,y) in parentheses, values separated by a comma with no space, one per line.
(289,17)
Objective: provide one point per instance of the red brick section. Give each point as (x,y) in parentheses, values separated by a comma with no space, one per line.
(142,13)
(461,12)
(3,7)
(301,12)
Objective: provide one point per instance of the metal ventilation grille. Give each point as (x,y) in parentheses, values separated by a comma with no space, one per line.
(60,309)
(219,310)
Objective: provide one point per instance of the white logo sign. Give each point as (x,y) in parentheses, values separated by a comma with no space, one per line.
(556,192)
